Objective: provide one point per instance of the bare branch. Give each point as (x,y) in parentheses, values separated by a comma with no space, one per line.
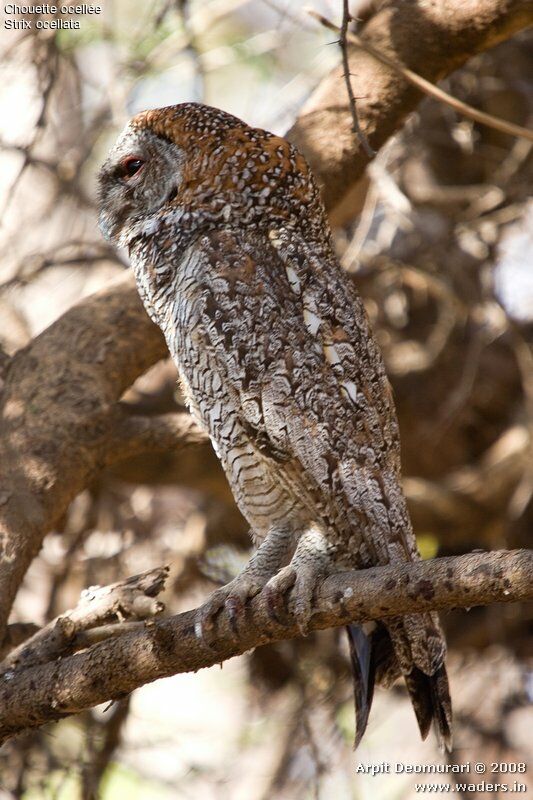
(110,670)
(344,35)
(58,410)
(417,80)
(431,40)
(133,598)
(137,434)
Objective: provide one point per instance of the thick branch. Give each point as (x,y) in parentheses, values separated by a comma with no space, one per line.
(112,669)
(135,435)
(58,415)
(432,39)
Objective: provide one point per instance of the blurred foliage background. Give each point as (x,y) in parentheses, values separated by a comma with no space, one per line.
(442,255)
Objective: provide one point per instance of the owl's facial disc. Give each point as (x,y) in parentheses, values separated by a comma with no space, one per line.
(141,175)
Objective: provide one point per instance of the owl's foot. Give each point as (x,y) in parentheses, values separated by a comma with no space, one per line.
(295,588)
(293,585)
(265,562)
(298,580)
(233,597)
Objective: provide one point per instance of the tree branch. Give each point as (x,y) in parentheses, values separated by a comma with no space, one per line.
(343,43)
(136,434)
(132,599)
(110,670)
(430,39)
(59,413)
(416,80)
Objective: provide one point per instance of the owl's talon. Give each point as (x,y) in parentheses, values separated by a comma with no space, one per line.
(303,613)
(232,598)
(235,608)
(293,587)
(298,589)
(282,581)
(208,613)
(275,602)
(302,599)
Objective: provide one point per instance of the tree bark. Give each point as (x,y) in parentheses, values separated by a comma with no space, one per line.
(60,421)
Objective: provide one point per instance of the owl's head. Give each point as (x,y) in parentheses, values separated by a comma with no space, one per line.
(198,163)
(139,178)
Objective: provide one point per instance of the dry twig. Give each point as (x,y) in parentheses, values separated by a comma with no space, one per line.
(131,599)
(421,83)
(431,41)
(344,34)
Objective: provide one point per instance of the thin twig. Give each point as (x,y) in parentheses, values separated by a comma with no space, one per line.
(426,86)
(346,17)
(102,748)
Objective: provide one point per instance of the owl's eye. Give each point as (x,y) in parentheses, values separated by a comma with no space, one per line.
(130,166)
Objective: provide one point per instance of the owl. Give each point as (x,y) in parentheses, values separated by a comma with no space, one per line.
(232,254)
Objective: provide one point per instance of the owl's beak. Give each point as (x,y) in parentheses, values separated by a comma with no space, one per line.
(111,225)
(105,226)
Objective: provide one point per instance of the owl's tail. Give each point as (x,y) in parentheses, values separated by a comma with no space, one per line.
(412,646)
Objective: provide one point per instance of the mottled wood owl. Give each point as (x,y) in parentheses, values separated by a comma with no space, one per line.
(233,258)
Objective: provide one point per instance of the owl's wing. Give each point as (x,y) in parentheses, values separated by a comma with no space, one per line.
(292,341)
(292,338)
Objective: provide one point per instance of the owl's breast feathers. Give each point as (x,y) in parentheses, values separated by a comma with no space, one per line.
(287,337)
